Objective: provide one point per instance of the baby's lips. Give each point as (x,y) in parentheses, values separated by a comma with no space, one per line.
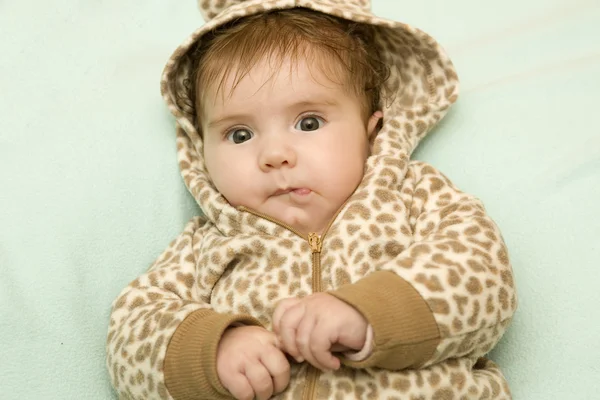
(301,191)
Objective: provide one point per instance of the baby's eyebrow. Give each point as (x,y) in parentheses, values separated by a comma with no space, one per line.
(226,118)
(315,103)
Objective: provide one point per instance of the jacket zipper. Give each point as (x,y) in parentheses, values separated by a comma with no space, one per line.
(316,244)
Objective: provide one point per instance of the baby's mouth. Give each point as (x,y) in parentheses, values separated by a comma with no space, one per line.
(297,191)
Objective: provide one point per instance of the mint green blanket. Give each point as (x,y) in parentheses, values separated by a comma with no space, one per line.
(90,191)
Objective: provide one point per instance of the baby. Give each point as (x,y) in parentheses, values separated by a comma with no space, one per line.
(327,264)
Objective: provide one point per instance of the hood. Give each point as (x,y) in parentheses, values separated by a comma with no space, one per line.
(423,85)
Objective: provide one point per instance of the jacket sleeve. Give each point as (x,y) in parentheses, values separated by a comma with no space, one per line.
(449,294)
(163,333)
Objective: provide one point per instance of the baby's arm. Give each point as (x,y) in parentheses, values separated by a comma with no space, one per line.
(163,335)
(449,294)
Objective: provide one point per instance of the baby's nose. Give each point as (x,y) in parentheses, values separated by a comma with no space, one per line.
(277,154)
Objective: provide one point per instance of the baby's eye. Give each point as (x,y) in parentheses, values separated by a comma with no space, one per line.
(311,123)
(238,136)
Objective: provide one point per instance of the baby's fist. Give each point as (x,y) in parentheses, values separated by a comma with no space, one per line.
(250,364)
(312,327)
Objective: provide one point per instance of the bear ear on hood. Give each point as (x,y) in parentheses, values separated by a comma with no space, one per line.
(421,87)
(212,8)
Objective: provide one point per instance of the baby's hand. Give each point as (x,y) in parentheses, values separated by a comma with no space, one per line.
(250,364)
(312,327)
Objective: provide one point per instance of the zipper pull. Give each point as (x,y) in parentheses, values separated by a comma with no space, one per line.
(314,241)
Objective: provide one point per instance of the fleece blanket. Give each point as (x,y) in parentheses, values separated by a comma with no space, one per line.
(90,191)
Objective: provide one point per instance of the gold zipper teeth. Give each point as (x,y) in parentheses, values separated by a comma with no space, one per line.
(312,376)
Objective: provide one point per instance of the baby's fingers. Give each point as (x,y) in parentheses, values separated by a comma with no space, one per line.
(287,333)
(280,310)
(317,350)
(323,356)
(261,381)
(279,368)
(239,387)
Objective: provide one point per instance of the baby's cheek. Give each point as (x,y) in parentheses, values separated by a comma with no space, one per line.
(233,194)
(229,182)
(242,192)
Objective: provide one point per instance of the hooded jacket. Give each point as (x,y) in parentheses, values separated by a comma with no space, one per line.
(420,259)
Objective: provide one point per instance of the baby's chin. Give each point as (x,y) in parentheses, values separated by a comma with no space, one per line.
(304,219)
(300,220)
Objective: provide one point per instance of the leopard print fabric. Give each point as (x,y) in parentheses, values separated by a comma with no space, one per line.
(405,217)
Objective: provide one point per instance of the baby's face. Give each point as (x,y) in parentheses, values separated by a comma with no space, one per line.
(292,147)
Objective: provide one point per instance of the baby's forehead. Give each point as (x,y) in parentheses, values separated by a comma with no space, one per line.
(289,74)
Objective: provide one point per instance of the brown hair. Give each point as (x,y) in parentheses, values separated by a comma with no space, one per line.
(343,50)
